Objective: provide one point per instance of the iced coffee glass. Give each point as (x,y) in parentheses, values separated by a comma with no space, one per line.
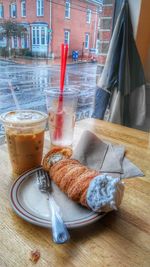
(25,137)
(62,120)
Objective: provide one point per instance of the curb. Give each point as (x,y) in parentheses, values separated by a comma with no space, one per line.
(50,64)
(7,60)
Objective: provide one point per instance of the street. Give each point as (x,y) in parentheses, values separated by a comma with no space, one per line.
(28,82)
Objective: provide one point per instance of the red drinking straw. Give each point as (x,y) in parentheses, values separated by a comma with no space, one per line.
(59,117)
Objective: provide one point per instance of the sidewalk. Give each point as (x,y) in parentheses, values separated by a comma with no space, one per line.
(43,61)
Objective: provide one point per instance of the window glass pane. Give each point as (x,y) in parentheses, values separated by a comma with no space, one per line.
(33,36)
(67,10)
(13,10)
(40,7)
(88,16)
(23,8)
(66,37)
(38,35)
(15,42)
(43,39)
(43,35)
(24,43)
(86,40)
(1,11)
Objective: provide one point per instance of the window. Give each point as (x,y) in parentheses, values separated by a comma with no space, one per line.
(13,10)
(43,41)
(98,46)
(1,11)
(88,16)
(24,40)
(67,9)
(40,7)
(39,35)
(23,8)
(33,36)
(67,37)
(87,40)
(14,42)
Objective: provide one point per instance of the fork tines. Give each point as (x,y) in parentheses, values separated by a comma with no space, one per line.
(43,180)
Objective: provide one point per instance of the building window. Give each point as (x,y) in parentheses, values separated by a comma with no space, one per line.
(39,35)
(23,8)
(33,36)
(43,35)
(14,42)
(40,8)
(13,10)
(98,46)
(1,11)
(88,16)
(24,40)
(67,37)
(67,9)
(87,40)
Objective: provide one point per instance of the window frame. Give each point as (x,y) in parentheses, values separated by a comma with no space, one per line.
(24,41)
(67,9)
(33,35)
(43,37)
(87,46)
(39,8)
(2,10)
(88,15)
(68,41)
(37,35)
(15,39)
(23,8)
(11,10)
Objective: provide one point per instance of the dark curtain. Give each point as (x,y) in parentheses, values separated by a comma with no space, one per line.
(122,80)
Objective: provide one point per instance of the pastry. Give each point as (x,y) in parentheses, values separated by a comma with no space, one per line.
(99,192)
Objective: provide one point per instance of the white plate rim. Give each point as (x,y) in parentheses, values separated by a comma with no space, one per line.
(27,216)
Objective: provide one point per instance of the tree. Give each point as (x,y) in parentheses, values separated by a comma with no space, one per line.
(8,29)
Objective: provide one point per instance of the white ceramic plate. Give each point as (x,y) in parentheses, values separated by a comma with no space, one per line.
(30,204)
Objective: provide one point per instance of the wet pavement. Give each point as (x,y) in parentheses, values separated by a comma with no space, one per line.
(28,82)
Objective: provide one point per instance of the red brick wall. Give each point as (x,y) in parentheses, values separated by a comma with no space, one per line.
(30,11)
(105,30)
(76,25)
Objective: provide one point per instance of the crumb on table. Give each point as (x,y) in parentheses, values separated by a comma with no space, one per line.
(35,255)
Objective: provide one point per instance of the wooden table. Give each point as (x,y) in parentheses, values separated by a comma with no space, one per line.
(119,239)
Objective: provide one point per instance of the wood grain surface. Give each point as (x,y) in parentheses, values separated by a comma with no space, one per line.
(120,239)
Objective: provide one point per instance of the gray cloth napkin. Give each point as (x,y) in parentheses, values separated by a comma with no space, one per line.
(104,157)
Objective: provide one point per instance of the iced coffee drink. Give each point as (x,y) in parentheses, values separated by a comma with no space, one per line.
(25,138)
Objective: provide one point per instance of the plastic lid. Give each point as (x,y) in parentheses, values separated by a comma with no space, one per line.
(55,92)
(23,117)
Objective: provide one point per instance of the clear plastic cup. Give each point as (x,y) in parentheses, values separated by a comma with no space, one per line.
(25,138)
(61,120)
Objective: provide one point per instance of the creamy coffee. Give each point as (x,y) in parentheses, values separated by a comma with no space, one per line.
(25,138)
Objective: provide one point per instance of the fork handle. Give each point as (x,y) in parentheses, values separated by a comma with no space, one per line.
(59,230)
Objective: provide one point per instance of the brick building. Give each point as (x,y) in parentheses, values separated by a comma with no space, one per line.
(48,23)
(104,32)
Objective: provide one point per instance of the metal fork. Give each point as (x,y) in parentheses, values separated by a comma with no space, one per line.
(59,230)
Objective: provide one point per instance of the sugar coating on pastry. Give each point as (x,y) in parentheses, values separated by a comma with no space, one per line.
(104,193)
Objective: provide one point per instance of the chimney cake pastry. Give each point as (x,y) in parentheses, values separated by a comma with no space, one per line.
(98,192)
